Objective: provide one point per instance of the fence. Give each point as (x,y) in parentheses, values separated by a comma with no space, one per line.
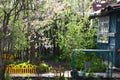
(21,69)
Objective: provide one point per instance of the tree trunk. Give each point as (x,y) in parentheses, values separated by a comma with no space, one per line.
(32,51)
(1,71)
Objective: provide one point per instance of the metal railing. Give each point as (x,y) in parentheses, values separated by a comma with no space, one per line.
(109,52)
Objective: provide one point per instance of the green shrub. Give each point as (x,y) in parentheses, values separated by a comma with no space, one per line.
(96,64)
(43,67)
(63,58)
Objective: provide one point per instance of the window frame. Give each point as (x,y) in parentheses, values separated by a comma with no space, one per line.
(103,30)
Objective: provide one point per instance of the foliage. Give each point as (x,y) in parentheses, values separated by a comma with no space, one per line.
(43,67)
(18,36)
(47,57)
(63,58)
(18,63)
(23,63)
(77,36)
(9,62)
(38,25)
(96,64)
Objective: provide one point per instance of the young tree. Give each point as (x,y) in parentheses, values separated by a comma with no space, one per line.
(76,32)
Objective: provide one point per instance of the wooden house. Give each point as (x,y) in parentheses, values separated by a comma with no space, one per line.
(108,36)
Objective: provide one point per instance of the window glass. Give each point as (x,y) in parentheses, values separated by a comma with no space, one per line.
(103,29)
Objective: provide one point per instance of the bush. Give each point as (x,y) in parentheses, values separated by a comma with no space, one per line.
(96,64)
(63,58)
(43,67)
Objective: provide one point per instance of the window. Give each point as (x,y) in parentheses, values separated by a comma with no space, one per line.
(103,29)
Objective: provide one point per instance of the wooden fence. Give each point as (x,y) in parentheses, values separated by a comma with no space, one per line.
(21,69)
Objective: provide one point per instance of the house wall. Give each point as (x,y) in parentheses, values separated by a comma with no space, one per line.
(117,40)
(103,55)
(114,39)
